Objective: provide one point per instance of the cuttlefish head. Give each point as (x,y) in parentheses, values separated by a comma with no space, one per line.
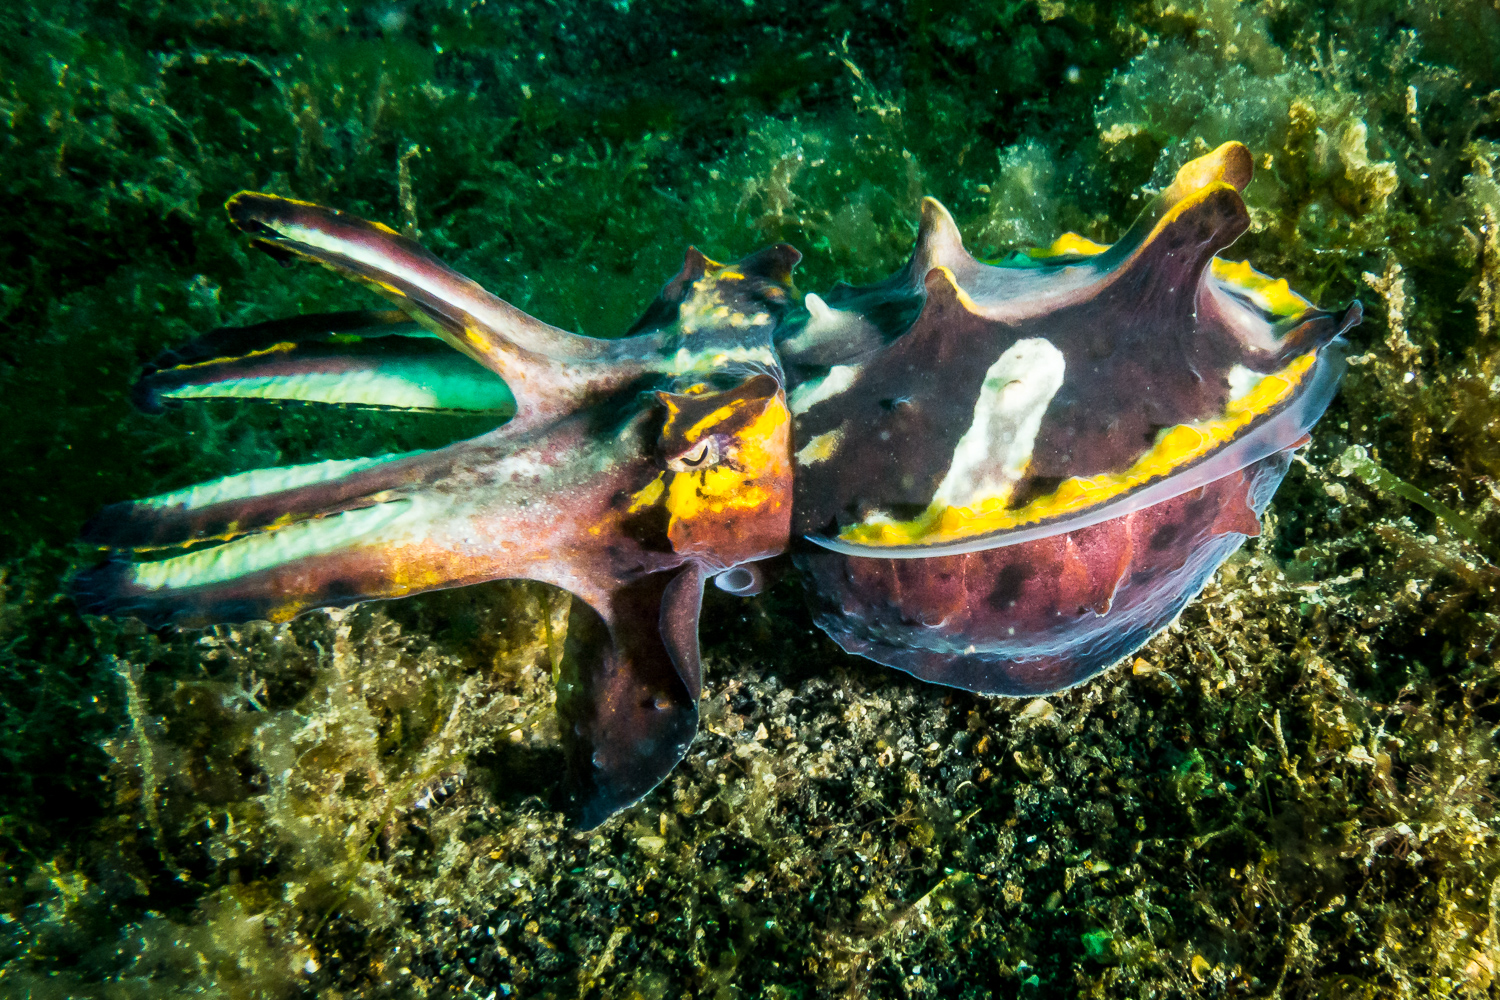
(726,485)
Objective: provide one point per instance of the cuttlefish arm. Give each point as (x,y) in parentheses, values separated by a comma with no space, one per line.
(276,542)
(555,509)
(368,359)
(631,471)
(551,372)
(627,699)
(598,511)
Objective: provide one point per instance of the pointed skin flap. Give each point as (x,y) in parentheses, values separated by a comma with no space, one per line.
(852,320)
(939,243)
(751,294)
(773,263)
(885,440)
(663,309)
(1229,167)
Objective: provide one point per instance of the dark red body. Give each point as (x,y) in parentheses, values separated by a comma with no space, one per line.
(1040,616)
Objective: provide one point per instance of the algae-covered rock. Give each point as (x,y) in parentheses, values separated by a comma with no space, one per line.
(1290,793)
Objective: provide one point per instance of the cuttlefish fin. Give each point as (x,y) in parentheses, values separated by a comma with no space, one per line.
(627,699)
(371,359)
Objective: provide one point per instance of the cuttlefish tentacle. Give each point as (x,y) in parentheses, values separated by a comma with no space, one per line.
(368,359)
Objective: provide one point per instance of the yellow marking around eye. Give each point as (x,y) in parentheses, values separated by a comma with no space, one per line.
(1174,449)
(1274,294)
(1068,243)
(673,412)
(734,486)
(712,491)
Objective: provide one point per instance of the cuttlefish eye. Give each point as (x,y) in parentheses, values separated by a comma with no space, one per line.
(702,455)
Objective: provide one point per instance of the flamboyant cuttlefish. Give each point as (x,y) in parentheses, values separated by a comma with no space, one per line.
(1000,477)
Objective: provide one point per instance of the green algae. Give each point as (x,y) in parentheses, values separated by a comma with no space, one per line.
(1288,794)
(1356,462)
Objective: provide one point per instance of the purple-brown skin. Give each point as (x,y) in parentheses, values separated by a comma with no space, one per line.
(1141,355)
(1045,615)
(1149,339)
(636,469)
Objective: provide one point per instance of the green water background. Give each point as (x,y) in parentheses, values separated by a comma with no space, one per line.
(1290,795)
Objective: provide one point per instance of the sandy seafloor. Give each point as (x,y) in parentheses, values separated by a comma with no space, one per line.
(1289,794)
